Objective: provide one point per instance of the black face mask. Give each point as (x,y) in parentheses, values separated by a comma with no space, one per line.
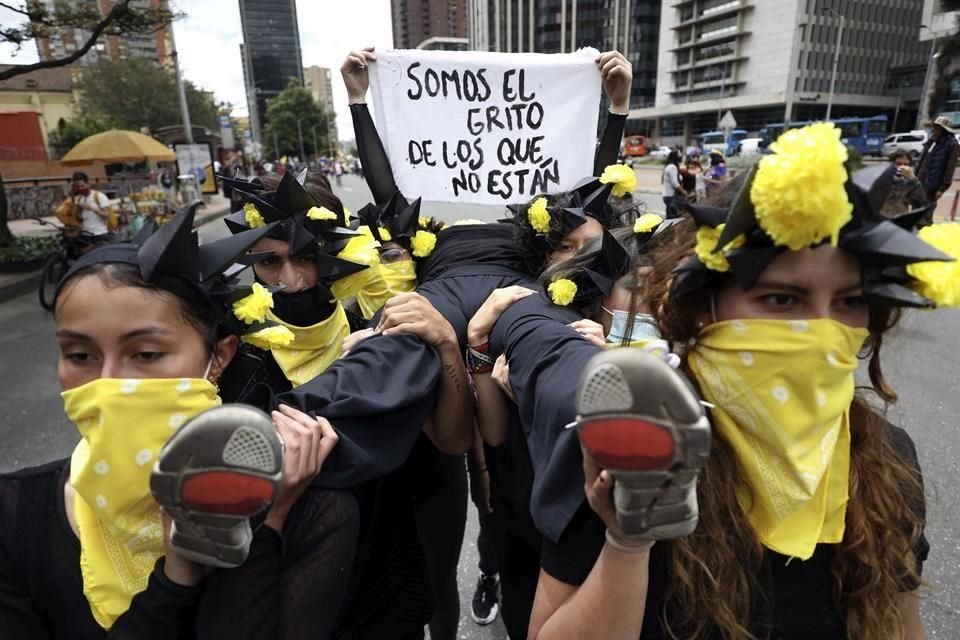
(304,308)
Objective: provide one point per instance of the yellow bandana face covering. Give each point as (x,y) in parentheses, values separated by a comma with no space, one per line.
(313,348)
(123,425)
(782,392)
(387,281)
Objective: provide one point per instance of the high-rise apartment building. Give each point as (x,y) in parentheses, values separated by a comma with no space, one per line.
(558,26)
(154,46)
(271,53)
(420,22)
(772,61)
(938,23)
(317,81)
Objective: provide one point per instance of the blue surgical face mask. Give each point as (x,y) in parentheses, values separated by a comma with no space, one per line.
(644,327)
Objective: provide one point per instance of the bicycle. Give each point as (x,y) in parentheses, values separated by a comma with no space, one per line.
(73,244)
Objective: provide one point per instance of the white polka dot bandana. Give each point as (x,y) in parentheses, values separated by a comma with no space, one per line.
(123,425)
(782,392)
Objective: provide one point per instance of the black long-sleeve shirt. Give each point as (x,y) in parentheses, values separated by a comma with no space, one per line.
(41,586)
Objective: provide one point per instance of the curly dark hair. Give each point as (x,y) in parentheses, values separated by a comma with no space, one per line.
(536,248)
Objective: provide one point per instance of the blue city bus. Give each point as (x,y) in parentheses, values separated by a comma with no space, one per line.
(865,135)
(718,141)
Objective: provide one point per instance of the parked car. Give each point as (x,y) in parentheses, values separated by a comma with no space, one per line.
(660,153)
(911,142)
(749,147)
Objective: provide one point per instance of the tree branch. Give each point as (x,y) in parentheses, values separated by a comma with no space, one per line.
(22,12)
(115,13)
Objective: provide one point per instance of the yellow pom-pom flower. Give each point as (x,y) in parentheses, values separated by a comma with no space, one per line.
(254,307)
(538,216)
(252,215)
(562,291)
(798,192)
(270,337)
(385,235)
(321,213)
(623,178)
(939,281)
(707,238)
(423,243)
(422,222)
(647,223)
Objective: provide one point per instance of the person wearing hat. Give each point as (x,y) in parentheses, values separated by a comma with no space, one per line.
(939,158)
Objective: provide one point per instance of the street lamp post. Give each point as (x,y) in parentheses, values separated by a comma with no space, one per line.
(836,55)
(184,111)
(303,155)
(316,147)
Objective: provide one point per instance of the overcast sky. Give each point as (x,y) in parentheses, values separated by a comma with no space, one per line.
(209,37)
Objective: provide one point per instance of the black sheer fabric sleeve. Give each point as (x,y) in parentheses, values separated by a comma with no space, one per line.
(608,151)
(321,540)
(373,157)
(291,586)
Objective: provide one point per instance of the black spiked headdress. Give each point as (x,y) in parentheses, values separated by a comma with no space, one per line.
(297,218)
(400,218)
(884,246)
(596,279)
(172,257)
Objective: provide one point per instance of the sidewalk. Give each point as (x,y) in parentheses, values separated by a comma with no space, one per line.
(16,284)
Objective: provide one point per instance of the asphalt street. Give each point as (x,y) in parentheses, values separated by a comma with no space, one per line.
(921,361)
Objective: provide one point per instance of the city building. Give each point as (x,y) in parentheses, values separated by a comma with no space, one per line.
(939,98)
(558,26)
(65,41)
(271,54)
(771,62)
(416,21)
(46,92)
(317,80)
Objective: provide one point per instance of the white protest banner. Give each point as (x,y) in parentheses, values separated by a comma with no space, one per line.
(487,128)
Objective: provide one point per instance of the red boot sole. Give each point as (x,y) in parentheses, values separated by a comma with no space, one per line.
(628,444)
(226,493)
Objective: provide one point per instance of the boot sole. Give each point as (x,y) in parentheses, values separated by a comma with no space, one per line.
(642,422)
(217,471)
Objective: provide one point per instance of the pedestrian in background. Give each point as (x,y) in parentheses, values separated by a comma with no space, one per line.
(906,189)
(939,158)
(672,188)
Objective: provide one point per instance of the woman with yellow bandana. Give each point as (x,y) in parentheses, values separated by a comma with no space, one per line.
(143,337)
(296,264)
(811,508)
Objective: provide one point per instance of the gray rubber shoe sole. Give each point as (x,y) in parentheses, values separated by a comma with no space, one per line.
(217,471)
(641,420)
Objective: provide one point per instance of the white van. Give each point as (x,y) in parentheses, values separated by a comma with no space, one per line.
(911,142)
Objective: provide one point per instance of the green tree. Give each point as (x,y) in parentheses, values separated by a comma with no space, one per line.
(293,103)
(135,93)
(69,132)
(42,20)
